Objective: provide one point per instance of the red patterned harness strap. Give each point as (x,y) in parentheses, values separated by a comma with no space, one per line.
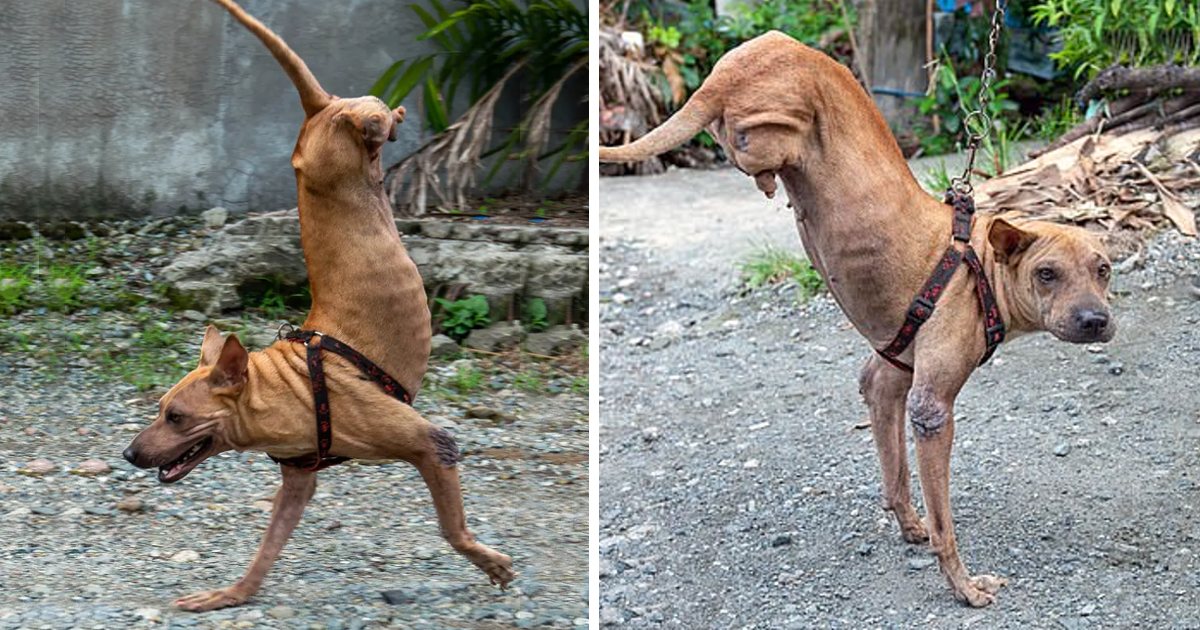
(922,306)
(315,342)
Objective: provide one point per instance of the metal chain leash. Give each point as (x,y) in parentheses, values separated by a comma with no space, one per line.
(978,123)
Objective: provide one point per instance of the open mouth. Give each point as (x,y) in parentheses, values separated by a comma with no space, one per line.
(178,469)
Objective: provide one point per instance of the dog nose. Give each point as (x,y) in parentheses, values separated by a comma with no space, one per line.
(1092,322)
(131,456)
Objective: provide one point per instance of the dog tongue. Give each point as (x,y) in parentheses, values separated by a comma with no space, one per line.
(165,473)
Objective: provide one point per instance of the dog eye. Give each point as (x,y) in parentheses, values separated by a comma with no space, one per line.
(1046,274)
(173,418)
(1104,271)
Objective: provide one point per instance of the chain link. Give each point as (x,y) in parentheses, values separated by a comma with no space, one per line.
(977,122)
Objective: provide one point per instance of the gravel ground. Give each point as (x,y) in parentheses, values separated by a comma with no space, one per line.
(737,492)
(78,386)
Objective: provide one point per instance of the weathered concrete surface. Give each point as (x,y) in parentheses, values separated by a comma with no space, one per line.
(123,107)
(154,105)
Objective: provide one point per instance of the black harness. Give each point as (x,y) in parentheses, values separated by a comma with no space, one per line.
(922,306)
(315,342)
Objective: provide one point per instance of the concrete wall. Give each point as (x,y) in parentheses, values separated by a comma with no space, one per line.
(112,107)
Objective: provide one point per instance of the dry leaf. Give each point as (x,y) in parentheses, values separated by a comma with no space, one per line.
(670,68)
(1180,215)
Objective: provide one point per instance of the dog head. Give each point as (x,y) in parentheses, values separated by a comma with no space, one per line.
(344,131)
(193,414)
(1058,276)
(366,118)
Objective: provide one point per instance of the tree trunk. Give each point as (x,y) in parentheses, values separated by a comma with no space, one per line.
(892,43)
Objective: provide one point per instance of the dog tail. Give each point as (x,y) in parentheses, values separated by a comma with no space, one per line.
(312,96)
(678,129)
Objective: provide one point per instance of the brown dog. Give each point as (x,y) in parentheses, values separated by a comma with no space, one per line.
(782,109)
(366,292)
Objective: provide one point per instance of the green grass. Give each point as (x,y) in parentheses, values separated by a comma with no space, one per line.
(153,357)
(16,341)
(772,266)
(529,381)
(156,337)
(274,298)
(63,287)
(999,152)
(153,362)
(15,281)
(1057,120)
(937,180)
(467,379)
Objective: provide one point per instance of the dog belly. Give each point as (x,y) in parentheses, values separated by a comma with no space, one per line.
(857,270)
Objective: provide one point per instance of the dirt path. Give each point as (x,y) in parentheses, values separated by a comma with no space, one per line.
(736,492)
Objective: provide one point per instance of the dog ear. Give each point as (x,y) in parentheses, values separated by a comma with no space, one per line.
(230,369)
(375,129)
(1008,240)
(397,118)
(210,348)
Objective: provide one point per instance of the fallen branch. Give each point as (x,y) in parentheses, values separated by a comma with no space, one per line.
(1150,82)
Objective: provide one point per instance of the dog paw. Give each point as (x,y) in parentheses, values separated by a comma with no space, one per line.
(912,528)
(498,568)
(915,534)
(988,583)
(211,600)
(980,590)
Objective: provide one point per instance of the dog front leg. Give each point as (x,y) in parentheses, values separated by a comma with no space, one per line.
(884,388)
(931,411)
(291,499)
(437,461)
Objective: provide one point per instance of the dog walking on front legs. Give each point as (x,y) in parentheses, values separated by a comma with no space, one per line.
(783,110)
(367,293)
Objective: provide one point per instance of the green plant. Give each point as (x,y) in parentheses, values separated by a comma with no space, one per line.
(272,305)
(63,286)
(16,341)
(112,294)
(535,315)
(466,379)
(156,336)
(274,297)
(480,48)
(14,283)
(1096,34)
(806,20)
(950,98)
(463,316)
(999,147)
(668,36)
(529,381)
(771,265)
(1056,120)
(701,37)
(937,179)
(92,245)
